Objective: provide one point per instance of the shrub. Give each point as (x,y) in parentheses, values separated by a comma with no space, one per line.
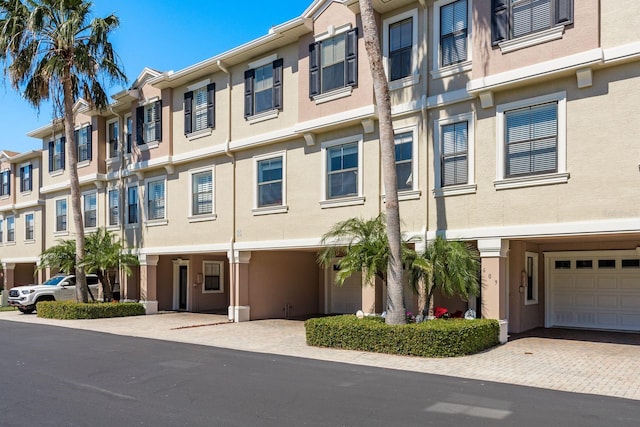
(434,338)
(94,310)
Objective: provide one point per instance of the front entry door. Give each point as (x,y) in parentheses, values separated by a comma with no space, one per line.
(182,288)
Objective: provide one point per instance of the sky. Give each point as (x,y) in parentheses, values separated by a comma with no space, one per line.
(160,34)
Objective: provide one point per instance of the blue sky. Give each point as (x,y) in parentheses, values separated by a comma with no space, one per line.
(160,34)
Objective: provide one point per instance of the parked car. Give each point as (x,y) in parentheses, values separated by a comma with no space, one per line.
(58,288)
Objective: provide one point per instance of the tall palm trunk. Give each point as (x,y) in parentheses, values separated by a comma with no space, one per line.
(82,294)
(395,295)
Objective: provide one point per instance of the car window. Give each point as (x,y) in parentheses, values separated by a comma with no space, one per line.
(71,281)
(92,280)
(53,281)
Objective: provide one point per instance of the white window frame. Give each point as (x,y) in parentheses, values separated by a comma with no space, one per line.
(282,208)
(5,173)
(559,177)
(439,72)
(11,219)
(221,266)
(202,217)
(336,93)
(26,223)
(109,207)
(20,178)
(108,144)
(414,77)
(58,153)
(138,210)
(80,129)
(55,216)
(156,221)
(534,277)
(413,192)
(348,200)
(470,186)
(84,219)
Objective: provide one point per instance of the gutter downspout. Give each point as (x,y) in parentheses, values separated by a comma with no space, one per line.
(234,300)
(121,189)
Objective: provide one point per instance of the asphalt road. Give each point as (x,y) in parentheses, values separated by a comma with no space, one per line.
(53,376)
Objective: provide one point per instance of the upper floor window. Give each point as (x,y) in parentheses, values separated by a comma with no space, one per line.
(333,63)
(400,47)
(404,160)
(113,134)
(155,200)
(90,210)
(199,108)
(132,204)
(202,193)
(453,33)
(26,178)
(5,182)
(83,143)
(270,181)
(149,122)
(114,206)
(129,132)
(263,88)
(56,154)
(342,170)
(532,141)
(454,150)
(61,215)
(11,229)
(512,19)
(29,225)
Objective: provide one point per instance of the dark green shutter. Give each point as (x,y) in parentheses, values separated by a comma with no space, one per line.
(140,125)
(51,145)
(211,105)
(188,106)
(249,76)
(314,69)
(277,83)
(89,142)
(564,12)
(351,58)
(158,114)
(30,168)
(499,21)
(63,150)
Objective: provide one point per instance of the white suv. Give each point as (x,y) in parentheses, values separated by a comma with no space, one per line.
(58,288)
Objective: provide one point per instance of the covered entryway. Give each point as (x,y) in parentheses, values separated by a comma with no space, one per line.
(594,290)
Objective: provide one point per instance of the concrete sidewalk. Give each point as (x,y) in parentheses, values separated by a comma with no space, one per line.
(607,369)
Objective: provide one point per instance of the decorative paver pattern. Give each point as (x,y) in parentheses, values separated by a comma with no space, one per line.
(608,369)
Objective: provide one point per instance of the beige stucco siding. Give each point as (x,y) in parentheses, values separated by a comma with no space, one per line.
(619,23)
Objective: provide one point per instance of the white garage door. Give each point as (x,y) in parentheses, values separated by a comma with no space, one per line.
(595,290)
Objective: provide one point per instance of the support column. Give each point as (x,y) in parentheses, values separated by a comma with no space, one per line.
(495,286)
(239,310)
(8,271)
(148,282)
(371,295)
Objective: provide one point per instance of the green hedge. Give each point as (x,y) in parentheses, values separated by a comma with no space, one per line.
(94,310)
(433,338)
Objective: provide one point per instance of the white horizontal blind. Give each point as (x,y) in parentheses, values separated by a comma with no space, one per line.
(454,154)
(453,33)
(532,140)
(156,200)
(150,117)
(202,193)
(530,16)
(263,88)
(200,109)
(404,160)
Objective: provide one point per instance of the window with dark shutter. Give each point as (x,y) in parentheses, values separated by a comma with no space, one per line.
(333,63)
(248,92)
(511,19)
(188,102)
(140,125)
(51,148)
(314,69)
(211,105)
(158,120)
(263,88)
(277,83)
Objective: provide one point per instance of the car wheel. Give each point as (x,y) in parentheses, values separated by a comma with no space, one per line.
(26,310)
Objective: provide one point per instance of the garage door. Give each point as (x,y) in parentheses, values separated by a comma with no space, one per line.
(595,290)
(348,297)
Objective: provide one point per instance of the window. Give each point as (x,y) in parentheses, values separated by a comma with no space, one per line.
(149,123)
(270,182)
(333,63)
(29,225)
(114,207)
(404,160)
(531,275)
(400,49)
(155,200)
(453,33)
(90,210)
(5,182)
(1,230)
(263,88)
(532,142)
(213,274)
(454,159)
(61,215)
(83,143)
(202,193)
(26,180)
(11,229)
(129,131)
(199,108)
(512,19)
(342,171)
(113,135)
(132,205)
(56,154)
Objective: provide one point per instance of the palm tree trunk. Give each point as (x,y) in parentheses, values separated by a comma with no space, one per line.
(82,294)
(395,296)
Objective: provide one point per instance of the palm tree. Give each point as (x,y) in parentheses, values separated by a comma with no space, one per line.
(105,254)
(62,257)
(53,50)
(395,302)
(448,266)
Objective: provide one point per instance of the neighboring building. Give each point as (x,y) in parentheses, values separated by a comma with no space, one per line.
(515,131)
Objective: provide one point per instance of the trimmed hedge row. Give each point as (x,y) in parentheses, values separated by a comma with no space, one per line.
(93,310)
(433,338)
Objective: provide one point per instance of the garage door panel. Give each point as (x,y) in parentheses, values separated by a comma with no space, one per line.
(595,298)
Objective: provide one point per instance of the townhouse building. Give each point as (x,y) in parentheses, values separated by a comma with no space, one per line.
(515,131)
